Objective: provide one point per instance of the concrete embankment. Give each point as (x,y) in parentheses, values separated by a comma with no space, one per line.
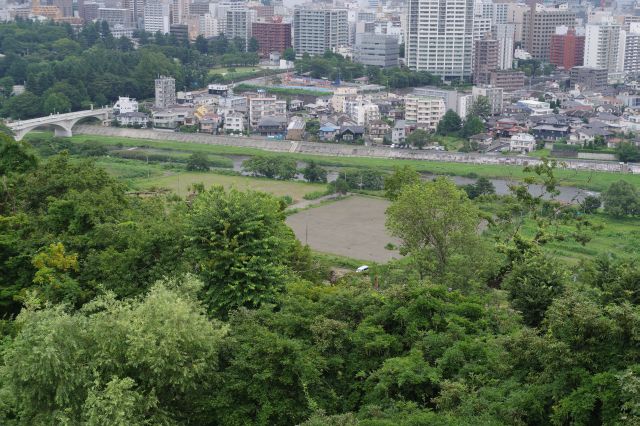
(340,150)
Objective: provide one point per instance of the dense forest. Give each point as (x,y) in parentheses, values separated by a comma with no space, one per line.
(126,310)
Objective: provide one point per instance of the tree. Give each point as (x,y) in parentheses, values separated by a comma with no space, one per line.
(121,362)
(15,157)
(198,161)
(314,173)
(241,244)
(628,152)
(621,199)
(289,54)
(435,221)
(449,124)
(480,107)
(483,186)
(271,167)
(473,125)
(396,181)
(418,138)
(532,286)
(590,204)
(253,45)
(201,44)
(23,106)
(56,103)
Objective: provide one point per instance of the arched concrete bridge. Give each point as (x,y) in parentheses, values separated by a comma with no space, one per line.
(62,123)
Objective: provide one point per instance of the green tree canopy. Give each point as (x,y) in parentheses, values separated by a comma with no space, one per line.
(418,138)
(449,124)
(396,181)
(621,199)
(241,245)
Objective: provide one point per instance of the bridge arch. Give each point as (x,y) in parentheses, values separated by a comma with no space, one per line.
(59,130)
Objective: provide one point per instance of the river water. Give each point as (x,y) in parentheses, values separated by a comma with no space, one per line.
(568,194)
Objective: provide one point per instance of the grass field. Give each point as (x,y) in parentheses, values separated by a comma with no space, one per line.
(179,183)
(231,71)
(595,181)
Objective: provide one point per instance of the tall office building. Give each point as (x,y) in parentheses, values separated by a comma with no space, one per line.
(567,48)
(439,37)
(603,47)
(157,15)
(165,92)
(539,24)
(317,29)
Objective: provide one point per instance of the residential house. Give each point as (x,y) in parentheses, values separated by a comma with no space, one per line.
(350,133)
(328,131)
(483,140)
(398,134)
(210,123)
(173,118)
(522,142)
(551,132)
(295,129)
(271,125)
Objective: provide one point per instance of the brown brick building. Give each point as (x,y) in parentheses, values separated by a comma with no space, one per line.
(567,50)
(271,36)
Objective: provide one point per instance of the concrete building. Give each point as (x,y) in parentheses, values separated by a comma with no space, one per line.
(317,29)
(165,92)
(265,106)
(439,37)
(424,110)
(116,16)
(589,78)
(567,48)
(124,105)
(507,80)
(180,31)
(631,42)
(379,50)
(157,15)
(449,97)
(534,107)
(272,37)
(493,94)
(539,24)
(505,35)
(238,18)
(604,47)
(485,59)
(234,123)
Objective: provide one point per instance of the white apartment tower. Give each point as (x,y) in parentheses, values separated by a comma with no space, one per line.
(631,42)
(603,47)
(165,92)
(440,37)
(157,15)
(317,29)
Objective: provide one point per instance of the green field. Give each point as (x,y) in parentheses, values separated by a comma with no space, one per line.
(180,182)
(595,181)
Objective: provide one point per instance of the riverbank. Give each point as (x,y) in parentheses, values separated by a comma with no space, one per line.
(592,180)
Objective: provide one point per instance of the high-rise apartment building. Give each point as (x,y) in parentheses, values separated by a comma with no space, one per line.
(317,29)
(603,47)
(238,18)
(272,36)
(157,15)
(439,37)
(539,24)
(567,48)
(165,92)
(505,35)
(631,42)
(116,16)
(485,59)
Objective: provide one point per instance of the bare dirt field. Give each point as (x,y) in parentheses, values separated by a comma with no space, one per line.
(353,227)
